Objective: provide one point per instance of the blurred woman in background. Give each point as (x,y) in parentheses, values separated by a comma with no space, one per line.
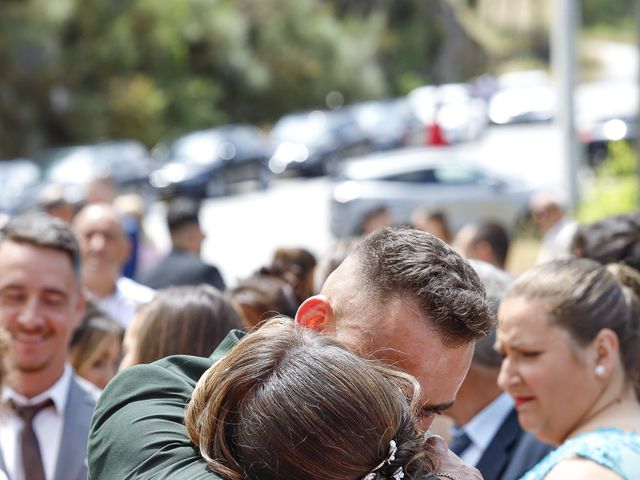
(95,349)
(179,321)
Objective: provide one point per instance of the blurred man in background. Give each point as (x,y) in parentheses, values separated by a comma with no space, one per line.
(183,265)
(104,247)
(487,433)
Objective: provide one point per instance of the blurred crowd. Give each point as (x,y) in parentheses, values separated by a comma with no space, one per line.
(85,293)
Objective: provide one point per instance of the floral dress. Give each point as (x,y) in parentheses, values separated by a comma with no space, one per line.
(615,449)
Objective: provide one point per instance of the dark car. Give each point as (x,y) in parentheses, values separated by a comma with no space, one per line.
(389,123)
(598,134)
(125,162)
(311,143)
(213,162)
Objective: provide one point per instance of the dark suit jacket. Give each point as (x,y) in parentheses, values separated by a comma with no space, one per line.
(511,452)
(72,457)
(181,268)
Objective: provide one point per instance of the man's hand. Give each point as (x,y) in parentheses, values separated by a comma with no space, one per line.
(449,463)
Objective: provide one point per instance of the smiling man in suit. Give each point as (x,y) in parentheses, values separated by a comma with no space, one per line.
(44,429)
(487,434)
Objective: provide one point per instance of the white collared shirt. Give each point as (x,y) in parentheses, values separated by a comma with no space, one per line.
(124,302)
(483,427)
(47,424)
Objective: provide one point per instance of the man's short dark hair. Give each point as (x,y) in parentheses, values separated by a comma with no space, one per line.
(42,230)
(496,236)
(181,212)
(403,260)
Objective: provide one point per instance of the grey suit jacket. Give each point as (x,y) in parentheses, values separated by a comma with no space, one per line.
(72,457)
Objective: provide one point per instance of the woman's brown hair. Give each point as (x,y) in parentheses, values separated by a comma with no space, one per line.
(287,403)
(583,297)
(183,321)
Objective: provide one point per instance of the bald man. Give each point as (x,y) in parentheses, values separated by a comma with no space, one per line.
(104,248)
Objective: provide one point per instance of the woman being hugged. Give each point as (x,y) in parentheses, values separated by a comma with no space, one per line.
(288,404)
(569,334)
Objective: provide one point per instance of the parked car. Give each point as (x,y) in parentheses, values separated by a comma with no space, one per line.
(311,143)
(213,162)
(126,162)
(17,176)
(524,96)
(389,123)
(597,135)
(461,116)
(444,179)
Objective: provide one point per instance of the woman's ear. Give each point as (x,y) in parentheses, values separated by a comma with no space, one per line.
(316,313)
(606,348)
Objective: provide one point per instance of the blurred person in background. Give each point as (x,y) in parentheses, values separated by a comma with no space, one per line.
(104,247)
(626,275)
(96,347)
(434,222)
(183,265)
(188,320)
(487,241)
(374,219)
(148,254)
(610,240)
(331,259)
(53,201)
(568,334)
(487,434)
(47,409)
(245,412)
(402,296)
(4,355)
(101,189)
(262,295)
(297,266)
(549,213)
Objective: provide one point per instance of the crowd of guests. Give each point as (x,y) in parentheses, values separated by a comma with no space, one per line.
(412,354)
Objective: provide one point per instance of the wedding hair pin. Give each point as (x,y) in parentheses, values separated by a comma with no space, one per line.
(397,475)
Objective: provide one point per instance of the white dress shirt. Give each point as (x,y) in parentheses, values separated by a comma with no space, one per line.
(483,427)
(47,424)
(123,303)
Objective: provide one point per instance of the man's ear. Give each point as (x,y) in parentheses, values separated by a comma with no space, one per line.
(315,313)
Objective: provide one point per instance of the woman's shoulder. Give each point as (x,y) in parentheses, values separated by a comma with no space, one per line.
(603,449)
(579,469)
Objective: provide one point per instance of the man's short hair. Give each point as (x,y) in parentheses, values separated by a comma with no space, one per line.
(181,212)
(42,230)
(406,261)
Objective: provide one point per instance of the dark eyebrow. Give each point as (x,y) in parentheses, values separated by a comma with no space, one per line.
(431,409)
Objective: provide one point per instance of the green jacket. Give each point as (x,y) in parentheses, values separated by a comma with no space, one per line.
(137,430)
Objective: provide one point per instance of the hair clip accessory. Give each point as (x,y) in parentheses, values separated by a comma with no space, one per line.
(398,474)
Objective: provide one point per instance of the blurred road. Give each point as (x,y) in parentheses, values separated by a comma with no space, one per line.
(244,230)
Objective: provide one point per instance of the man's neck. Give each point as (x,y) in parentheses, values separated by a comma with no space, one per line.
(32,384)
(101,288)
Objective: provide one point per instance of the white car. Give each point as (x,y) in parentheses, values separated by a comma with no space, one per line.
(526,96)
(446,179)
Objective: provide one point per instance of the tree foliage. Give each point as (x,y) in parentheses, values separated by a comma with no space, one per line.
(84,70)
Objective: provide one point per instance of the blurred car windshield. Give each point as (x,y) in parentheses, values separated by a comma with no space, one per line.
(83,163)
